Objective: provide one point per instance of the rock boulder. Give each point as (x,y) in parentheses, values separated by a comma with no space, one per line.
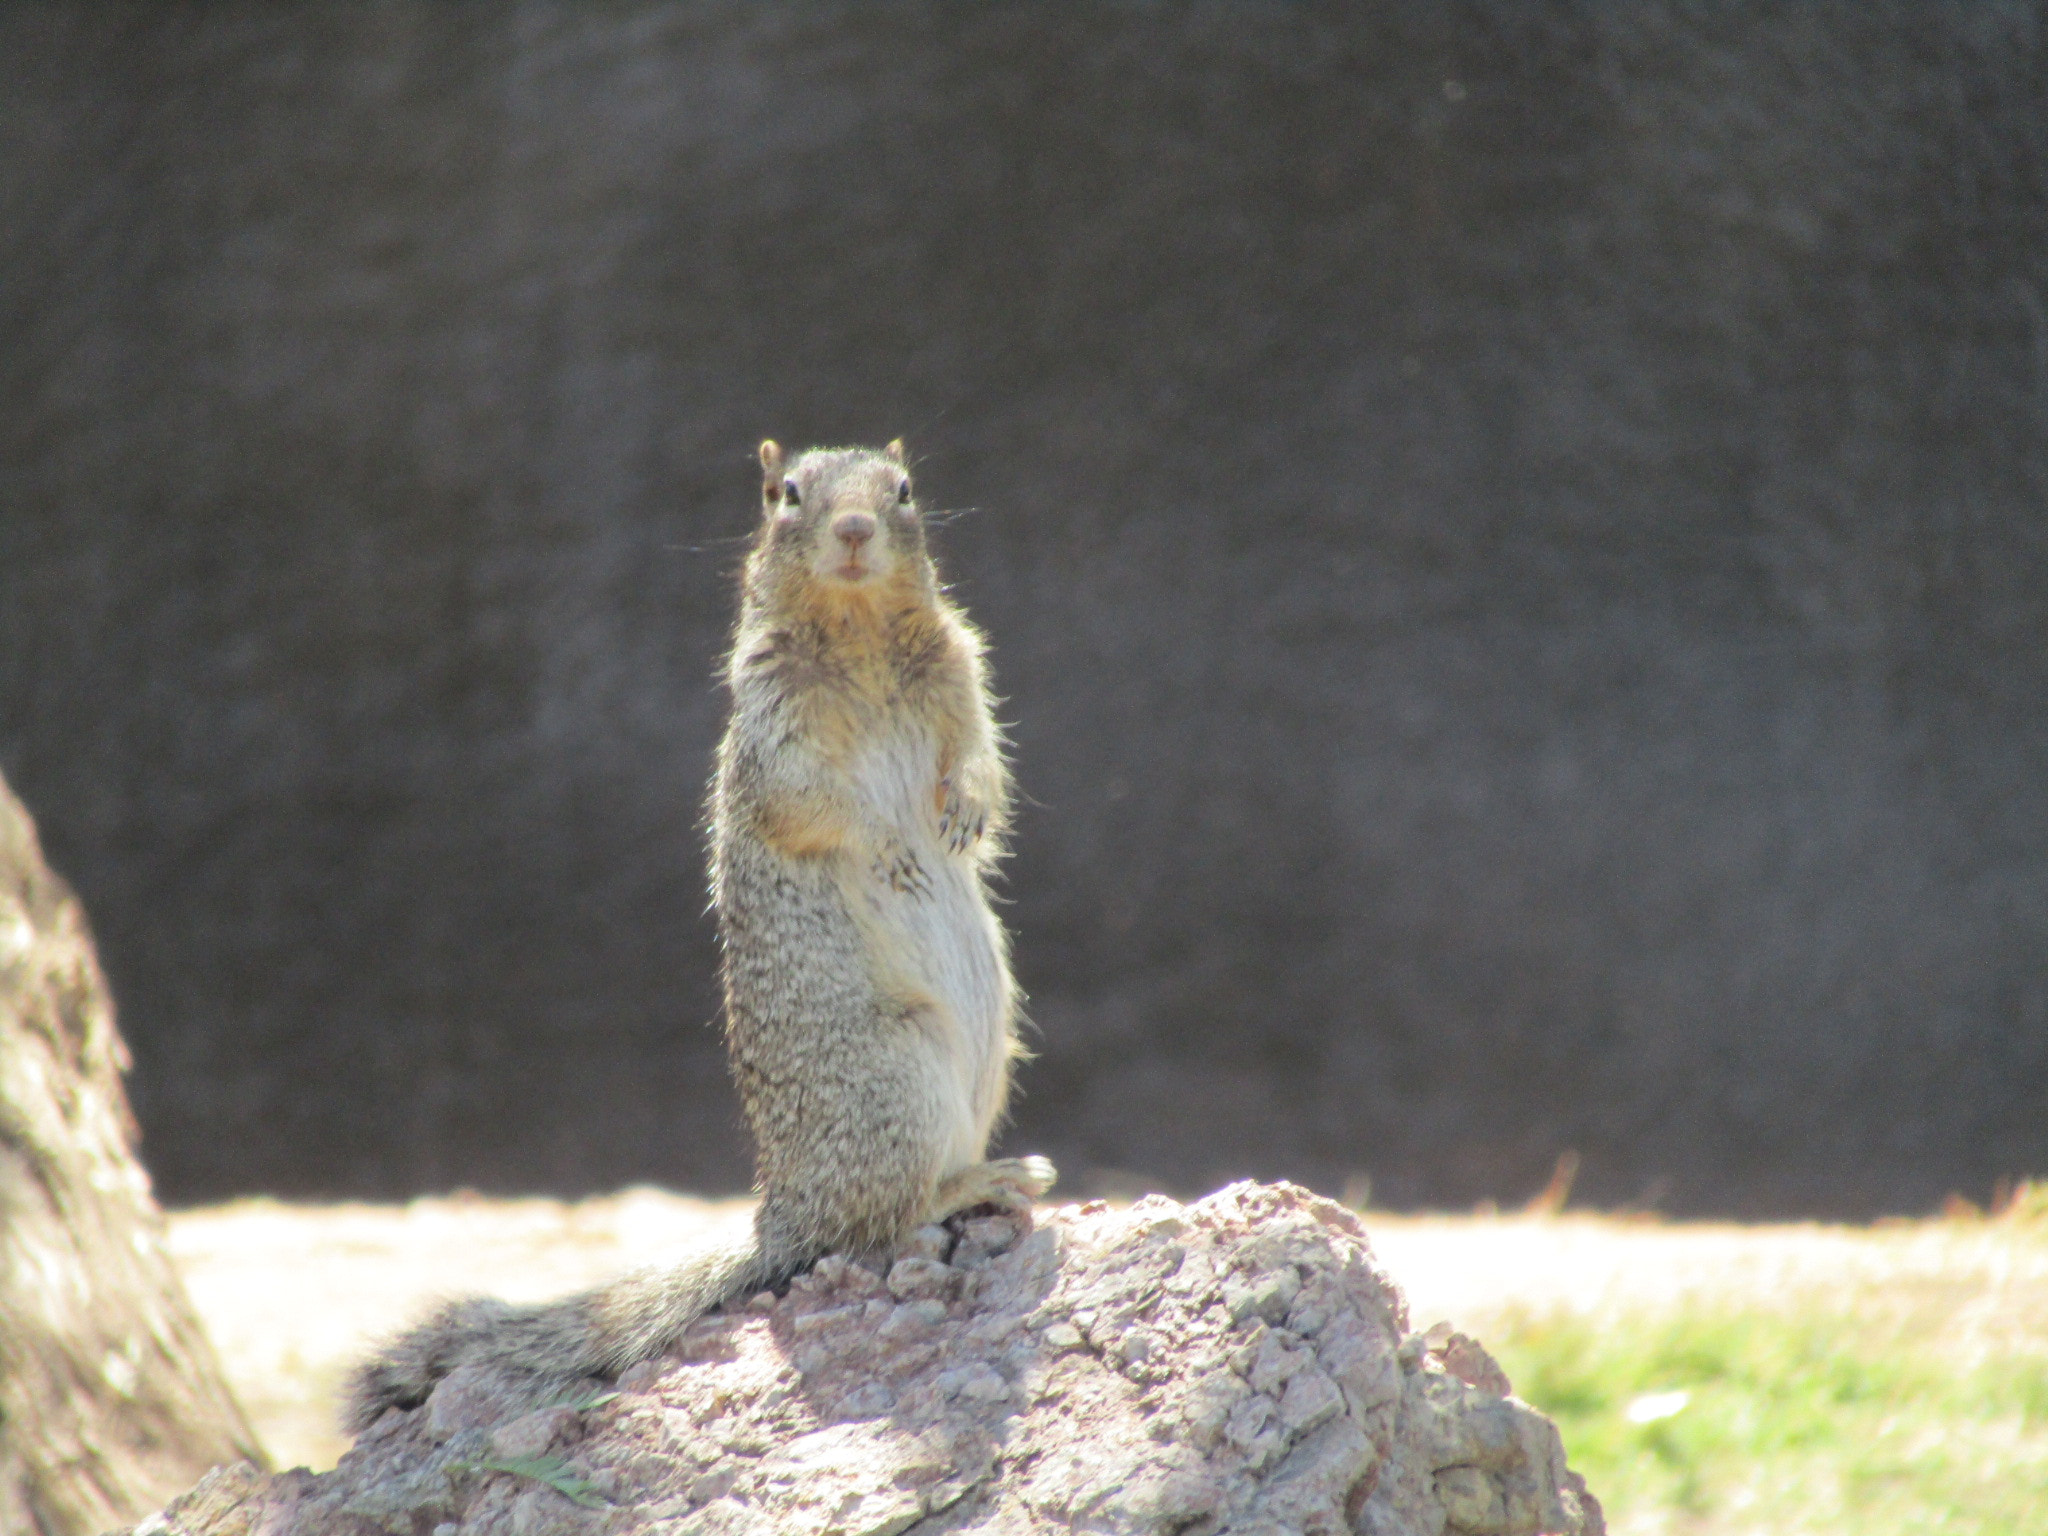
(1239,1364)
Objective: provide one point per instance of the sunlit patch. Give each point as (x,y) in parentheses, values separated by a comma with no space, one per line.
(1652,1406)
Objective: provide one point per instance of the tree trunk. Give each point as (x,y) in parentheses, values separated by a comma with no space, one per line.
(111,1398)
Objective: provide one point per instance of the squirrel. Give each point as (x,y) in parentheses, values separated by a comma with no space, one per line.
(856,814)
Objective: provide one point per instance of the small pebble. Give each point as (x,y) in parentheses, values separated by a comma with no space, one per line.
(535,1434)
(914,1277)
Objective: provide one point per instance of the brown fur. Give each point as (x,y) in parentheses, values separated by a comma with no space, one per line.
(857,812)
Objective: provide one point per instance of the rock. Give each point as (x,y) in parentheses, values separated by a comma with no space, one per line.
(535,1434)
(1465,1458)
(1240,1364)
(111,1398)
(914,1277)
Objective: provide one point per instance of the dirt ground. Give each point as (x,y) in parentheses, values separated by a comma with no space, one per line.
(291,1293)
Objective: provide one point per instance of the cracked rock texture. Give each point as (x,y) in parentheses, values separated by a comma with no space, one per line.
(1239,1364)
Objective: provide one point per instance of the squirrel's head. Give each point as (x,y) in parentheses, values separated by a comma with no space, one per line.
(842,522)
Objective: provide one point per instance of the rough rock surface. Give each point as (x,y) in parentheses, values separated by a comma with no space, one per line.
(1239,1364)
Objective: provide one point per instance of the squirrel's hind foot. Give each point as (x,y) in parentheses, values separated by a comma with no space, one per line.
(1008,1183)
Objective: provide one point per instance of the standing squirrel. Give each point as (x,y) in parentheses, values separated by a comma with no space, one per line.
(870,1017)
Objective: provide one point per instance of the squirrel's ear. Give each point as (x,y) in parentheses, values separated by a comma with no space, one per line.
(896,451)
(771,471)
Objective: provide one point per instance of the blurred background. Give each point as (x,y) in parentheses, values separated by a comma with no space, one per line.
(1515,539)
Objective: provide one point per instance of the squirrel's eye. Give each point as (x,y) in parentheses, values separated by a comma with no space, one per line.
(789,495)
(903,494)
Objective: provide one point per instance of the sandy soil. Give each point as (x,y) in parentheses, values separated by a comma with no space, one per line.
(291,1293)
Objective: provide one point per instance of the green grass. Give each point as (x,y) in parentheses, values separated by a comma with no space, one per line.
(1797,1420)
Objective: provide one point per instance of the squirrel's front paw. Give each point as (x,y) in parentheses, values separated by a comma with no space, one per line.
(961,821)
(897,867)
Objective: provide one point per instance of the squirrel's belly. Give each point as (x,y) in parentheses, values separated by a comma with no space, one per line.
(953,950)
(937,938)
(965,950)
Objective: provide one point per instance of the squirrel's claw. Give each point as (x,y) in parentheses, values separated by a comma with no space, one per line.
(900,871)
(961,824)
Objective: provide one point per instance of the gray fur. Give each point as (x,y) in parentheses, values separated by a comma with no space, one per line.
(856,814)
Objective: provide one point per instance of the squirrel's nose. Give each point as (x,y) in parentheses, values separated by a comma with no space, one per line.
(854,528)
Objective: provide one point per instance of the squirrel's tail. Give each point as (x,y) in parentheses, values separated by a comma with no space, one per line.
(596,1333)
